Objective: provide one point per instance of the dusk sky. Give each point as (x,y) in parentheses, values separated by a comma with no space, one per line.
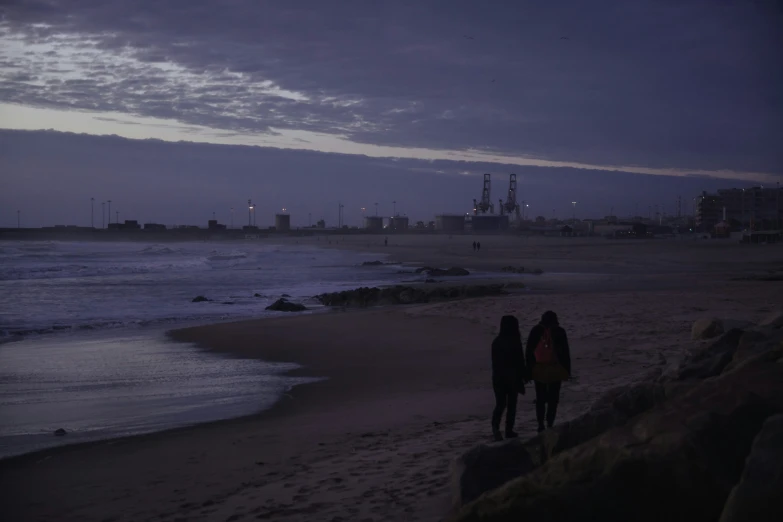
(613,104)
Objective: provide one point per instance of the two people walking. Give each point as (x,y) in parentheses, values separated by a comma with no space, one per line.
(545,359)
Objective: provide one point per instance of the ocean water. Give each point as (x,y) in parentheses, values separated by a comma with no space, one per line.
(53,286)
(89,319)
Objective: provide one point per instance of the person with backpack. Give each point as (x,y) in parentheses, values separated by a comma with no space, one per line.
(508,375)
(548,359)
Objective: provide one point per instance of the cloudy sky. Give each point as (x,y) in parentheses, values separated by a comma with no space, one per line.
(584,100)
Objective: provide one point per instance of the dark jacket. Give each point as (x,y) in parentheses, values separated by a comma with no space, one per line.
(559,340)
(508,363)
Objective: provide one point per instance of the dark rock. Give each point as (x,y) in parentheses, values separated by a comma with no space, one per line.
(281,305)
(200,299)
(756,341)
(400,294)
(614,409)
(258,295)
(707,360)
(677,462)
(60,432)
(285,295)
(372,263)
(706,329)
(757,496)
(489,466)
(774,320)
(440,272)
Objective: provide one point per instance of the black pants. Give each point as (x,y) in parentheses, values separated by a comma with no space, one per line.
(547,397)
(505,399)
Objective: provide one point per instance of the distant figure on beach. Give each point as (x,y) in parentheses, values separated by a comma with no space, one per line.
(478,246)
(548,359)
(508,374)
(474,246)
(386,241)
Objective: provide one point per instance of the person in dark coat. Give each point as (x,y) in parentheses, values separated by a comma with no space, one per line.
(508,374)
(548,365)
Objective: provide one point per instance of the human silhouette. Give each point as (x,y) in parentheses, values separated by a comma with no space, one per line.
(386,241)
(548,359)
(478,246)
(474,246)
(508,374)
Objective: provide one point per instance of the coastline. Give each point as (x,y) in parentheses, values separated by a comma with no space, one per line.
(386,422)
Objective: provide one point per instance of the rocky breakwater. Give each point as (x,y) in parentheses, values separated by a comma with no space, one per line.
(401,294)
(700,441)
(442,272)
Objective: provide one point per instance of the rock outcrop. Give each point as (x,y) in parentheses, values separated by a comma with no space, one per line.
(672,447)
(435,272)
(773,320)
(373,263)
(200,299)
(758,497)
(706,329)
(400,294)
(60,432)
(283,305)
(489,466)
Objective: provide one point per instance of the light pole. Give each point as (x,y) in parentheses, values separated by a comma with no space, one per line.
(232,217)
(92,212)
(574,204)
(309,219)
(526,215)
(742,219)
(249,213)
(110,212)
(103,214)
(394,207)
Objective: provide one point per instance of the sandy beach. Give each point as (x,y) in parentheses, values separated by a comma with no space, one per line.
(405,390)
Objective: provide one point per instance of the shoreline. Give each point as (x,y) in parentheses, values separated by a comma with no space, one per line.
(408,390)
(586,282)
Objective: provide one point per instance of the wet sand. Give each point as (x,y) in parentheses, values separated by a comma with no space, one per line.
(407,389)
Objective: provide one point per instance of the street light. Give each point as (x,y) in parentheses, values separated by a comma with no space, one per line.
(574,204)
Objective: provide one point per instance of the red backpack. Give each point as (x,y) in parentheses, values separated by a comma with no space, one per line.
(545,350)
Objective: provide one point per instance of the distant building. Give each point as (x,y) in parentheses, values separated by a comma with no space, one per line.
(282,222)
(489,222)
(212,224)
(709,209)
(320,224)
(398,223)
(129,224)
(373,223)
(450,223)
(154,226)
(757,208)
